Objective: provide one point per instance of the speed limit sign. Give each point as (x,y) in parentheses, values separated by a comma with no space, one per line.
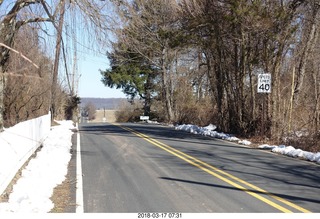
(264,83)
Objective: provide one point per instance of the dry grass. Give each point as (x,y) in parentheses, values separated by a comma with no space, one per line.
(62,197)
(109,115)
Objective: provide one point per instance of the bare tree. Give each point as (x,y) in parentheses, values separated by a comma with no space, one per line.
(9,26)
(89,111)
(309,39)
(34,12)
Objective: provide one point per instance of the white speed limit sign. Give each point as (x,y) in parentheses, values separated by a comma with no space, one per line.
(264,83)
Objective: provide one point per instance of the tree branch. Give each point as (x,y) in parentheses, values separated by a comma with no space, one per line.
(19,53)
(18,6)
(32,20)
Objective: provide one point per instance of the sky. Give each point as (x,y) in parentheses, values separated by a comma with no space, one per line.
(90,84)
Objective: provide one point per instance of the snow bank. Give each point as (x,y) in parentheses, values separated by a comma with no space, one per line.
(43,173)
(210,131)
(282,149)
(292,152)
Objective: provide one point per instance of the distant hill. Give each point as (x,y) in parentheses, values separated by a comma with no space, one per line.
(102,103)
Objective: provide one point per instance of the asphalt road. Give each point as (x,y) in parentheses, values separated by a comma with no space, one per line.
(129,168)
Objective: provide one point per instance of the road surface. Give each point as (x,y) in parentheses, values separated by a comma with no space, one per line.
(129,168)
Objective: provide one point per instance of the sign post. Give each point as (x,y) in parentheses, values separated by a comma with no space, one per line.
(264,87)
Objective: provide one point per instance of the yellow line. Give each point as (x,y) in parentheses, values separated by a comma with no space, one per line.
(202,165)
(239,180)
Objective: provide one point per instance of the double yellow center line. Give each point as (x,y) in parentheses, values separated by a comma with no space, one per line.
(222,175)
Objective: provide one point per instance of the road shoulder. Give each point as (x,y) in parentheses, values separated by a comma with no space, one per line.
(64,195)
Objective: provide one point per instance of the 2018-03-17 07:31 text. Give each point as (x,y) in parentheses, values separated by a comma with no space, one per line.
(159,215)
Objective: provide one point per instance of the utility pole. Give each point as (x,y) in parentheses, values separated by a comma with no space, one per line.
(57,57)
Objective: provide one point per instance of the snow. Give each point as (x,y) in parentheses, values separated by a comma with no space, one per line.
(43,173)
(48,169)
(209,131)
(293,152)
(281,149)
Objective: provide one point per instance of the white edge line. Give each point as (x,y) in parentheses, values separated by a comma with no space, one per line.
(79,191)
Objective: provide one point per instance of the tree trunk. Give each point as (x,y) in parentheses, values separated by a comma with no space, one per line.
(8,30)
(310,42)
(166,84)
(147,101)
(166,94)
(275,96)
(291,100)
(2,86)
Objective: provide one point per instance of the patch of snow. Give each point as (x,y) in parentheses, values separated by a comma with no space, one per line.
(281,149)
(210,131)
(244,142)
(292,152)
